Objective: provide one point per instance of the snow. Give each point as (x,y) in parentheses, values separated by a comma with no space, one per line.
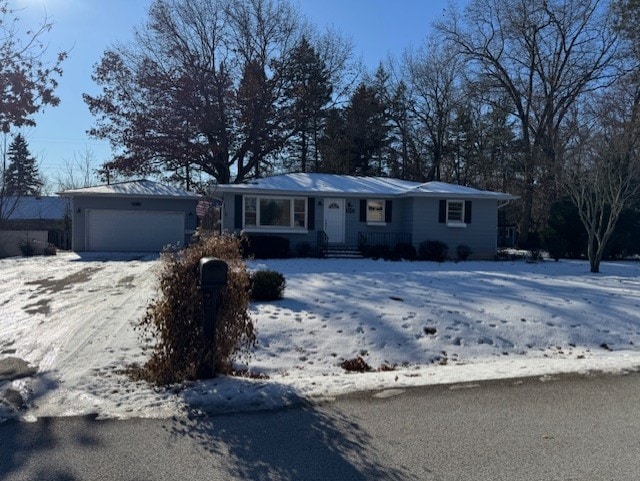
(333,184)
(134,188)
(74,317)
(434,189)
(18,208)
(325,184)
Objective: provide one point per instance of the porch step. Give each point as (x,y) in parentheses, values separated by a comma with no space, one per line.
(341,252)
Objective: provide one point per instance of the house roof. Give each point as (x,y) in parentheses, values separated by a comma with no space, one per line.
(30,208)
(347,185)
(439,189)
(313,183)
(133,188)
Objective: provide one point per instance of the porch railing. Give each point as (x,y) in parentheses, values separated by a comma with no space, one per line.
(386,239)
(322,243)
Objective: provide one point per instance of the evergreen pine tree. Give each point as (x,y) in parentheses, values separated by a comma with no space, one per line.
(367,131)
(22,176)
(309,91)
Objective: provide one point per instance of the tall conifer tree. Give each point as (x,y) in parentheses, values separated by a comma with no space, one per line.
(22,176)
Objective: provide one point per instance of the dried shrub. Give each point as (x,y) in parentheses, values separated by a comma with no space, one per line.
(27,248)
(357,364)
(175,317)
(50,250)
(267,285)
(387,367)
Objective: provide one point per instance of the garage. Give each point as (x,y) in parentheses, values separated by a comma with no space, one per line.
(133,231)
(132,216)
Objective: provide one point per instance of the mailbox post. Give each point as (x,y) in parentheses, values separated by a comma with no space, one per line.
(213,278)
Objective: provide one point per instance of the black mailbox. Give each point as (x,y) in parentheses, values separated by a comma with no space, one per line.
(213,278)
(213,273)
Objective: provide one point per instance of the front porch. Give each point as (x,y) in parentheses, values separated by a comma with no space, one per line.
(370,244)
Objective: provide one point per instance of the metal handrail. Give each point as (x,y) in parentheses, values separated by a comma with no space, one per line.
(322,243)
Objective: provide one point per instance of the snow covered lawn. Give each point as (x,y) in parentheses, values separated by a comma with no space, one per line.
(414,323)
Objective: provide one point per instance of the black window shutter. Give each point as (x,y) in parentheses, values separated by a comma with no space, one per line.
(311,213)
(442,216)
(467,212)
(363,210)
(387,211)
(237,217)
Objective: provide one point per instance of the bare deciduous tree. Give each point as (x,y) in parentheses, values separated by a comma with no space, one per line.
(544,55)
(435,74)
(78,171)
(603,169)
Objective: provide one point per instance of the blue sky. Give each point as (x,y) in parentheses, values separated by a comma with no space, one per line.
(377,28)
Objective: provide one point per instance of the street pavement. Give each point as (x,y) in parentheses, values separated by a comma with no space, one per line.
(562,428)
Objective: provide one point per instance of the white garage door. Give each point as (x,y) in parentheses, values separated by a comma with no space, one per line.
(133,231)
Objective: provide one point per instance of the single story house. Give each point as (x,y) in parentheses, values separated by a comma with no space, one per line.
(39,220)
(340,211)
(134,216)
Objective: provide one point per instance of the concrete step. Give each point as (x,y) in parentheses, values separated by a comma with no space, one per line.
(343,253)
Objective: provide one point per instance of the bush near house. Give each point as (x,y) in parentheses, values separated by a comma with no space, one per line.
(27,248)
(174,319)
(463,251)
(50,250)
(303,249)
(265,247)
(433,251)
(406,251)
(267,285)
(379,251)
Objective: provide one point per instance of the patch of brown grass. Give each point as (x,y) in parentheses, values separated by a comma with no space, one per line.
(357,364)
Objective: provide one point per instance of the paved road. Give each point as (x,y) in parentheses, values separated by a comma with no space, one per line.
(571,428)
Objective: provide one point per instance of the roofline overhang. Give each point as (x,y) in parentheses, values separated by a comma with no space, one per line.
(129,196)
(459,195)
(308,193)
(302,193)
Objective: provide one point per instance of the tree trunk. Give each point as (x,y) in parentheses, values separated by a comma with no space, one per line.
(594,255)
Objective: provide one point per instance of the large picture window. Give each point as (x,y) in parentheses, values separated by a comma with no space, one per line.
(275,212)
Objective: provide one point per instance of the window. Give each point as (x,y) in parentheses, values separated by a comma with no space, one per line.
(275,213)
(455,211)
(250,212)
(299,212)
(375,211)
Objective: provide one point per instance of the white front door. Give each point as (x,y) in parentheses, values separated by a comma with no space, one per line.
(334,220)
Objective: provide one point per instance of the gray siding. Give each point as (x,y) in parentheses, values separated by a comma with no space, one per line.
(80,204)
(396,225)
(479,235)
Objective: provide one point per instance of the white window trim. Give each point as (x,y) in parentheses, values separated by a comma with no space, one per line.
(381,223)
(456,223)
(290,229)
